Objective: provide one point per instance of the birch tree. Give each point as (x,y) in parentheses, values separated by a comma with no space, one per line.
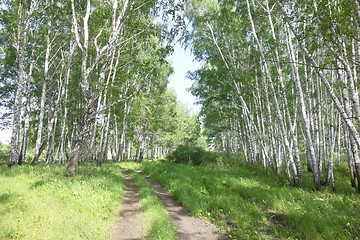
(23,10)
(266,63)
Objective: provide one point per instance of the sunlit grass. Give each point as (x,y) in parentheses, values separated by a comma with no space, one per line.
(250,203)
(246,202)
(39,203)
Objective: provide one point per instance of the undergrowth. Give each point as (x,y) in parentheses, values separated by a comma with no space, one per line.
(40,203)
(249,203)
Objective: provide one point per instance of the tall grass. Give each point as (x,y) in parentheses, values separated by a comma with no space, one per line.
(39,203)
(249,203)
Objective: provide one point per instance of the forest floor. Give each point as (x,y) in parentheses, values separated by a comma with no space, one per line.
(187,227)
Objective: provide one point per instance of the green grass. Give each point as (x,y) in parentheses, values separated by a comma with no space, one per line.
(249,203)
(245,202)
(157,219)
(39,203)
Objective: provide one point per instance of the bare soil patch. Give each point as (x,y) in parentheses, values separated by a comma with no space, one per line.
(129,225)
(188,227)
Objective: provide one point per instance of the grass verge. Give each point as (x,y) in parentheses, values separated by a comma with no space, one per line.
(39,203)
(249,203)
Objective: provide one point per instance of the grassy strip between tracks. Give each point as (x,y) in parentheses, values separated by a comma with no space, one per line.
(157,219)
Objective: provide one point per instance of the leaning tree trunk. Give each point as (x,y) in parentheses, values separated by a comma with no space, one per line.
(348,121)
(80,140)
(352,147)
(92,148)
(85,125)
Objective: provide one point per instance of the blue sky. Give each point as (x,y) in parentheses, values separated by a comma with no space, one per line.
(182,62)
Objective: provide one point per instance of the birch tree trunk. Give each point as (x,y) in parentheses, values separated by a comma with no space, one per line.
(65,94)
(304,116)
(22,156)
(82,136)
(89,95)
(122,145)
(43,96)
(267,73)
(324,80)
(140,144)
(24,14)
(40,124)
(332,138)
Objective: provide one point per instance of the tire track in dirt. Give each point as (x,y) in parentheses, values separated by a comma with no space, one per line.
(188,227)
(129,225)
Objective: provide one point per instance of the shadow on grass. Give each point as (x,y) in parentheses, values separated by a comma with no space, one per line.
(6,197)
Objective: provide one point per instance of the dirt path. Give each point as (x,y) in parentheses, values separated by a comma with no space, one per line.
(188,227)
(129,225)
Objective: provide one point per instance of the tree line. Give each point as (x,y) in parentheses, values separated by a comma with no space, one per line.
(279,82)
(82,81)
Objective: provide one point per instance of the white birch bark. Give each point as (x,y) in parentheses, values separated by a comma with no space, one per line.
(140,141)
(324,80)
(20,44)
(65,94)
(77,151)
(341,109)
(304,115)
(122,144)
(27,112)
(332,138)
(276,102)
(89,95)
(43,97)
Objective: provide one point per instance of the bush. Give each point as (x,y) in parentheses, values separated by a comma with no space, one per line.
(180,155)
(187,153)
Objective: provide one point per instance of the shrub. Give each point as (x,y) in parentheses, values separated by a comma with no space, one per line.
(198,155)
(187,153)
(180,155)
